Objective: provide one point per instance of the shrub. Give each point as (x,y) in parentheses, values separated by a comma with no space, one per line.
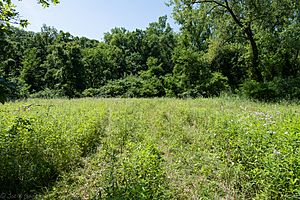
(48,94)
(132,86)
(11,90)
(127,87)
(3,91)
(152,87)
(92,92)
(259,91)
(216,84)
(277,89)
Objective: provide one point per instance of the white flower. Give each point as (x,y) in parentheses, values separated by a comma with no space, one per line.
(276,152)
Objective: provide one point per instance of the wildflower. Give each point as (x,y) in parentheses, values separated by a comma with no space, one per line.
(276,152)
(271,132)
(259,113)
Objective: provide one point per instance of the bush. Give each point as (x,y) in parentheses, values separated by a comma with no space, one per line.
(3,91)
(259,91)
(152,87)
(130,86)
(92,92)
(211,87)
(289,88)
(277,89)
(171,86)
(11,90)
(216,84)
(127,87)
(48,94)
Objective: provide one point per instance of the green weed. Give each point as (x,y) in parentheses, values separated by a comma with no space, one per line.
(222,148)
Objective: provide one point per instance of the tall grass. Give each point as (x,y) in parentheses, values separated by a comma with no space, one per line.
(223,148)
(41,139)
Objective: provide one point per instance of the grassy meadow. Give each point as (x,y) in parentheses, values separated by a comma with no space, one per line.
(222,148)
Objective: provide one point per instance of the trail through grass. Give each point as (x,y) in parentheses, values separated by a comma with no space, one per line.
(221,148)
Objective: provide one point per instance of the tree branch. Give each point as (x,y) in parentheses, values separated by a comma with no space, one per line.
(208,1)
(235,18)
(226,6)
(212,9)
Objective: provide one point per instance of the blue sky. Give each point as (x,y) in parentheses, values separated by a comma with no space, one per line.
(92,18)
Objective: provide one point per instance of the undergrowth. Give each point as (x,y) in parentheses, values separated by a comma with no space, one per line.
(223,148)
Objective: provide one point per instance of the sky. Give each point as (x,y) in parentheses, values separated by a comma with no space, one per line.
(92,18)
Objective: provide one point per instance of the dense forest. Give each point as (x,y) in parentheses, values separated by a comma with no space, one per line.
(243,47)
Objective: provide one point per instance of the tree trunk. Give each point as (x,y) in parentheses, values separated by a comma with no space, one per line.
(256,73)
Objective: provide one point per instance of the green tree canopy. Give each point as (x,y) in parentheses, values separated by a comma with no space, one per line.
(245,20)
(9,15)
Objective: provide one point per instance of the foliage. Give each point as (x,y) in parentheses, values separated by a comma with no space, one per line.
(99,65)
(9,14)
(261,147)
(276,89)
(37,144)
(217,84)
(3,91)
(132,86)
(12,90)
(260,91)
(48,94)
(92,92)
(127,87)
(221,46)
(229,61)
(222,148)
(244,19)
(137,175)
(189,69)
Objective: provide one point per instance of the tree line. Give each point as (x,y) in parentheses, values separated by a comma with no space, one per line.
(245,47)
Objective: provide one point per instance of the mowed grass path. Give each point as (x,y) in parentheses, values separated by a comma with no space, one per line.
(223,148)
